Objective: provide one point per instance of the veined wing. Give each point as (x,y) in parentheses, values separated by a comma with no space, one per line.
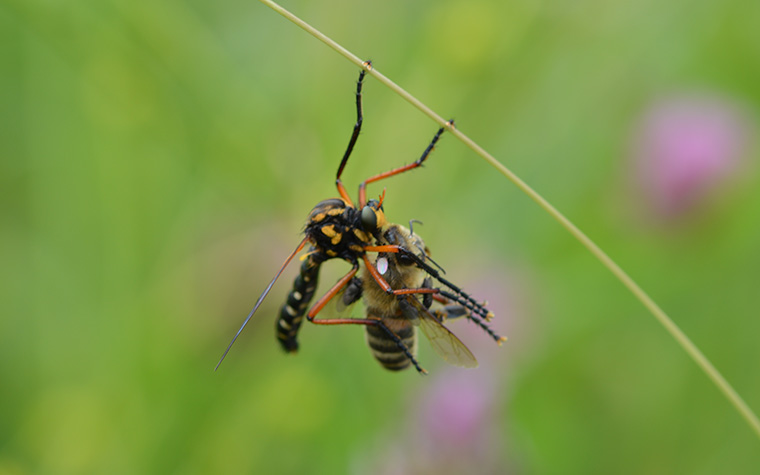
(445,343)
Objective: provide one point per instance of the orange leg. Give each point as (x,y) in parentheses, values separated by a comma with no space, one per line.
(421,290)
(385,285)
(343,193)
(396,171)
(311,316)
(394,248)
(331,293)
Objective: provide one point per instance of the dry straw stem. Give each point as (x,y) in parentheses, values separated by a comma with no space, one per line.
(658,313)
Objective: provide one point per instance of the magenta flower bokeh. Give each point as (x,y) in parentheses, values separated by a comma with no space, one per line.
(685,148)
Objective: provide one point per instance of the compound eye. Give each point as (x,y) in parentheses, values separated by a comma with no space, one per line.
(404,260)
(369,219)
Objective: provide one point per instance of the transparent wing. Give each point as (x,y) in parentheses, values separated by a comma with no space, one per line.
(445,343)
(261,299)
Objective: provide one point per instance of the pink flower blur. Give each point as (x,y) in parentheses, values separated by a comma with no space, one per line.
(458,406)
(684,148)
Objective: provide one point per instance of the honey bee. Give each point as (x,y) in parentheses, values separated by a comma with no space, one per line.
(393,318)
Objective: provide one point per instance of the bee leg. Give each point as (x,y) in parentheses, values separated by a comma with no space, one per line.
(396,171)
(458,295)
(353,291)
(454,311)
(354,135)
(468,302)
(457,311)
(427,299)
(497,338)
(451,312)
(399,343)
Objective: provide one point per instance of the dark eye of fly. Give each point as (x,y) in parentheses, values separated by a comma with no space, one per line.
(369,219)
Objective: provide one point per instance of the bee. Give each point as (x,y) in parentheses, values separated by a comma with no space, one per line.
(393,318)
(335,228)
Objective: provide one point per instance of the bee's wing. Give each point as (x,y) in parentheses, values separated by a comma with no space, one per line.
(445,343)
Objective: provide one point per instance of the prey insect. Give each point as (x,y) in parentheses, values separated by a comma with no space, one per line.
(393,340)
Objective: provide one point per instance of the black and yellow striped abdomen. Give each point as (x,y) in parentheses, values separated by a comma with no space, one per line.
(294,309)
(385,349)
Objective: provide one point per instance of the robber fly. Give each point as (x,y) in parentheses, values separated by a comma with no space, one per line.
(393,339)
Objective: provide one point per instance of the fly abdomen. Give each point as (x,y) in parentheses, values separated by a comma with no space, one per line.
(392,349)
(292,312)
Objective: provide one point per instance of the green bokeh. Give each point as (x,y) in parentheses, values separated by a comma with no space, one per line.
(158,160)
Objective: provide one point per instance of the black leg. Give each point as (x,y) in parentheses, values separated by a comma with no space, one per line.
(357,125)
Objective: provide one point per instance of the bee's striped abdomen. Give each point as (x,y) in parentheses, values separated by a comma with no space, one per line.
(386,350)
(292,312)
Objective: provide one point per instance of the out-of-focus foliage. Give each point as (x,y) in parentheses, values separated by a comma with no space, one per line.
(157,160)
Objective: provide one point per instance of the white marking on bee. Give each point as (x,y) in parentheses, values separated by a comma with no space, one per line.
(284,324)
(382,265)
(290,310)
(297,295)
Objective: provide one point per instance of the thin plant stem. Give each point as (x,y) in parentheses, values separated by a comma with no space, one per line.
(691,349)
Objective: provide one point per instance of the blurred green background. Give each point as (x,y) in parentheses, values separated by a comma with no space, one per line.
(159,160)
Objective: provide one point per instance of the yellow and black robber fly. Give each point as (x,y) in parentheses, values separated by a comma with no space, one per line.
(337,229)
